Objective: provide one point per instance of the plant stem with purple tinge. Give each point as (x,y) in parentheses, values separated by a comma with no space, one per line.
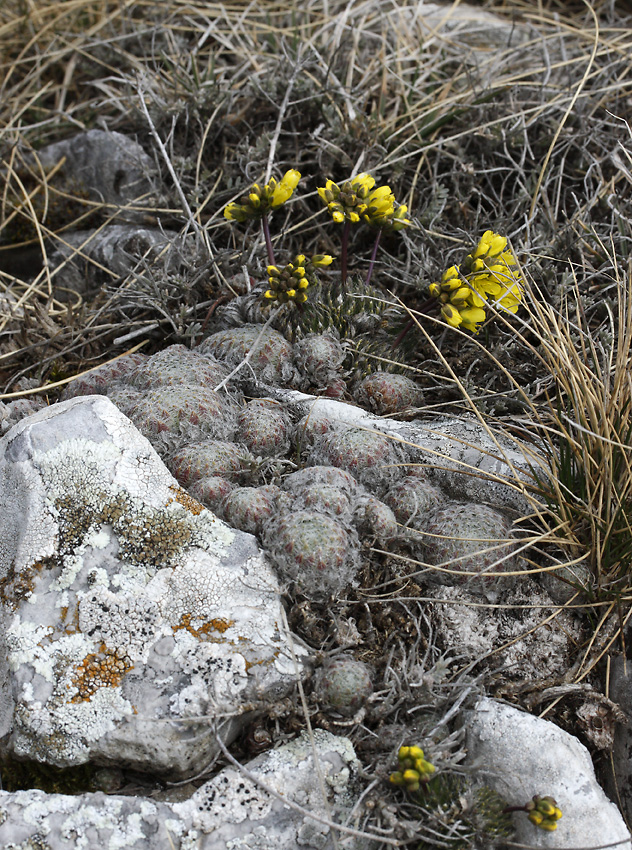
(369,274)
(343,252)
(423,308)
(266,235)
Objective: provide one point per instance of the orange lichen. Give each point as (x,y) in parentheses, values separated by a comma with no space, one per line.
(215,625)
(188,502)
(102,669)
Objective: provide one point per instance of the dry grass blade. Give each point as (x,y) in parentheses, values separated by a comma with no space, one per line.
(587,433)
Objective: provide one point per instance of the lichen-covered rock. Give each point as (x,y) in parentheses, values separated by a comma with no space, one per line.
(233,811)
(230,811)
(343,684)
(269,353)
(470,545)
(131,611)
(178,365)
(386,393)
(99,381)
(264,428)
(516,644)
(210,459)
(370,456)
(171,417)
(318,553)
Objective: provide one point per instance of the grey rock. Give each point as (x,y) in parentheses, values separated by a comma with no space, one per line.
(91,258)
(621,693)
(233,811)
(108,166)
(33,820)
(520,755)
(230,811)
(136,621)
(511,642)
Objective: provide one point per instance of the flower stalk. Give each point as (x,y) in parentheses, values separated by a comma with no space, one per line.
(376,245)
(265,227)
(356,200)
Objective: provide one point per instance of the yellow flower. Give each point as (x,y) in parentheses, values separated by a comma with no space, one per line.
(472,317)
(413,768)
(380,204)
(349,200)
(543,812)
(488,275)
(398,219)
(451,315)
(490,245)
(291,282)
(236,212)
(321,260)
(261,200)
(363,183)
(383,211)
(285,189)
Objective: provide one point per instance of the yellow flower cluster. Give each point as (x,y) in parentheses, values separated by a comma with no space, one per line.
(262,199)
(291,282)
(544,812)
(413,768)
(490,272)
(358,199)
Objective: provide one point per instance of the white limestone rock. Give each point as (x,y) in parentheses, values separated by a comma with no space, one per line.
(233,811)
(520,755)
(135,620)
(509,638)
(230,811)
